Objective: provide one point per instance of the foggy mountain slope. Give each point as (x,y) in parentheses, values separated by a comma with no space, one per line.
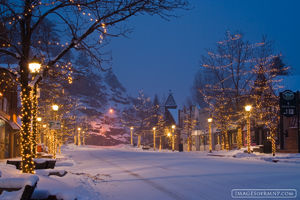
(100,100)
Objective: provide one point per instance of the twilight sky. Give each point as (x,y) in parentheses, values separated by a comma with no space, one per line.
(162,55)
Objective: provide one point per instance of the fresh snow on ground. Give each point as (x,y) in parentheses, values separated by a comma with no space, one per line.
(123,172)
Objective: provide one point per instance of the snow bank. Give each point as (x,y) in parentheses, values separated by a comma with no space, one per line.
(18,182)
(11,195)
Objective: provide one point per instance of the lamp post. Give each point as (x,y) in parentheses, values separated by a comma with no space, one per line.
(173,137)
(154,129)
(83,138)
(79,139)
(34,68)
(248,111)
(131,136)
(139,141)
(160,143)
(55,108)
(209,120)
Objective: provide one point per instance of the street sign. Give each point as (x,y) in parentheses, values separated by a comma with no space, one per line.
(54,125)
(288,103)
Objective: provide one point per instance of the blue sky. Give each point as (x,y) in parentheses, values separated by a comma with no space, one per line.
(160,55)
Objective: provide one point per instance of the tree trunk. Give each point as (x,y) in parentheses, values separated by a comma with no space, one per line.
(26,136)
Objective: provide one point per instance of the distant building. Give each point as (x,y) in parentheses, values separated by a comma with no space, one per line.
(289,135)
(171,111)
(9,128)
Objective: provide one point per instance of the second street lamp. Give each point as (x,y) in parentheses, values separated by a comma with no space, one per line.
(154,129)
(209,120)
(55,108)
(248,112)
(131,136)
(34,68)
(79,137)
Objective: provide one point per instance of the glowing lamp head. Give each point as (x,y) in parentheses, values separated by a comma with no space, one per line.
(173,126)
(111,111)
(131,128)
(1,94)
(154,128)
(78,129)
(34,66)
(39,119)
(44,125)
(248,108)
(209,120)
(169,134)
(55,107)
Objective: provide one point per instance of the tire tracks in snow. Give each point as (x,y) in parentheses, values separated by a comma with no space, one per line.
(158,187)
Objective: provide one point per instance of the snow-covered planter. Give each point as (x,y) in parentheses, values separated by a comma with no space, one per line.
(18,187)
(40,163)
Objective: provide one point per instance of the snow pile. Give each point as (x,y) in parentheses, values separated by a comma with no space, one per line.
(13,178)
(19,182)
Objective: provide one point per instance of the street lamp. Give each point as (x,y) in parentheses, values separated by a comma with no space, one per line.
(34,66)
(173,137)
(39,119)
(209,120)
(79,139)
(111,111)
(131,136)
(154,129)
(248,111)
(55,107)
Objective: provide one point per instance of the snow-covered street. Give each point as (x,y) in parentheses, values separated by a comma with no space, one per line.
(123,172)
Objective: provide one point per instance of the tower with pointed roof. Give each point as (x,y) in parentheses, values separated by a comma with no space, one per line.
(171,112)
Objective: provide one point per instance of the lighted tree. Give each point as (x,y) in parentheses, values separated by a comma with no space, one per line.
(224,81)
(268,69)
(140,115)
(235,73)
(81,25)
(189,123)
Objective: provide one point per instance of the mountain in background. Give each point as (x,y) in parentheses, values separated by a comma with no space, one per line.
(100,98)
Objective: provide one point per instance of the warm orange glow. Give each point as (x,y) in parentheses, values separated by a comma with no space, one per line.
(209,120)
(34,67)
(78,129)
(131,128)
(39,119)
(169,134)
(55,107)
(173,126)
(111,111)
(248,108)
(154,128)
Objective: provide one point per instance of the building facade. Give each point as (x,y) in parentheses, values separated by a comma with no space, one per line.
(9,127)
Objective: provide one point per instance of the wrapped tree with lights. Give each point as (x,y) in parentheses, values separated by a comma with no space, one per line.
(268,69)
(80,23)
(224,80)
